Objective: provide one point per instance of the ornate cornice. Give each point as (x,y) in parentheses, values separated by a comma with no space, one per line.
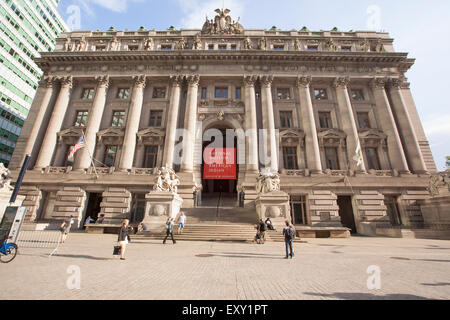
(304,81)
(398,83)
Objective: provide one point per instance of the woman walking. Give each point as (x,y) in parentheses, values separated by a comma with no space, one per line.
(123,238)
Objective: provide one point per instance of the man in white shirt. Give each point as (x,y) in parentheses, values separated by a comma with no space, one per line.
(181,223)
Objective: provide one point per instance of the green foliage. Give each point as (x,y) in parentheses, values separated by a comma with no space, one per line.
(335,29)
(447,163)
(171,28)
(304,29)
(142,29)
(112,29)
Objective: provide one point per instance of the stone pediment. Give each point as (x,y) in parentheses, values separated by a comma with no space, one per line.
(292,136)
(111,136)
(71,135)
(372,138)
(332,137)
(151,136)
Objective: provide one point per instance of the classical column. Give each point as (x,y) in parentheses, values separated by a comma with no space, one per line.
(309,125)
(47,85)
(83,158)
(172,120)
(54,126)
(190,124)
(395,149)
(348,122)
(134,118)
(406,128)
(269,121)
(251,135)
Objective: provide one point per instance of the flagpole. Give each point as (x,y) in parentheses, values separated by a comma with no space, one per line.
(92,159)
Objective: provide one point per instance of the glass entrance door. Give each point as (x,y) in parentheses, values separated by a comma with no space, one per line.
(299,211)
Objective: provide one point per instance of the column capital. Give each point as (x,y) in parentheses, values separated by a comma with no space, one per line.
(140,81)
(378,83)
(398,83)
(176,80)
(193,80)
(102,81)
(266,80)
(47,82)
(66,82)
(249,81)
(341,82)
(304,81)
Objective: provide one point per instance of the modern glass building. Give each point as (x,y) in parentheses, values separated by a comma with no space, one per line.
(27,27)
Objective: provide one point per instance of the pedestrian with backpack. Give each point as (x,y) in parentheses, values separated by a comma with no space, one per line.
(289,236)
(262,227)
(169,230)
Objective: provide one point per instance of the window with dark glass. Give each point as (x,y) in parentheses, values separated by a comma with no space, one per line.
(313,48)
(363,120)
(151,155)
(286,119)
(320,94)
(222,47)
(159,93)
(118,120)
(204,93)
(221,93)
(100,48)
(325,120)
(290,158)
(346,49)
(278,47)
(283,94)
(238,93)
(391,202)
(331,158)
(166,47)
(123,93)
(88,94)
(357,95)
(82,117)
(372,159)
(110,156)
(211,47)
(233,47)
(299,213)
(156,118)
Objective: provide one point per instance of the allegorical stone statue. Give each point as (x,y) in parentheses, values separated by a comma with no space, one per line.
(114,44)
(181,44)
(439,182)
(148,44)
(262,44)
(166,181)
(247,44)
(5,178)
(268,182)
(197,45)
(222,24)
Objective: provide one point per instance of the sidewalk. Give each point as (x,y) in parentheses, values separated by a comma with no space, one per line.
(322,269)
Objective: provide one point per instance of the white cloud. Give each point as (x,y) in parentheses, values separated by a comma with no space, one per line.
(438,125)
(197,10)
(113,5)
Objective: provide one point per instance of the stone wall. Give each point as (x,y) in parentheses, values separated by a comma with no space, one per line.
(410,208)
(324,209)
(116,205)
(70,201)
(32,201)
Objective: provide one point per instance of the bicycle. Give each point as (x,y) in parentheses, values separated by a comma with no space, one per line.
(8,251)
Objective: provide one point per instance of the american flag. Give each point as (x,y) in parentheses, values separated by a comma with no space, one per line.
(80,145)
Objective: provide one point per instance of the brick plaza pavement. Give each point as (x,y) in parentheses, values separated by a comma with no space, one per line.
(322,269)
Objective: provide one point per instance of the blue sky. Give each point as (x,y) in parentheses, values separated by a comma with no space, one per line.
(419,27)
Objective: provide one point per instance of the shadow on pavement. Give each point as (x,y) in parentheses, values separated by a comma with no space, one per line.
(75,256)
(366,296)
(248,255)
(440,284)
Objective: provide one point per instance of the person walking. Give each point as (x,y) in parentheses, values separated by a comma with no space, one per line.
(262,227)
(65,228)
(169,230)
(181,223)
(289,236)
(123,238)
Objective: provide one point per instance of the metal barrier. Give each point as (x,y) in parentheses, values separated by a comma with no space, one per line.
(39,239)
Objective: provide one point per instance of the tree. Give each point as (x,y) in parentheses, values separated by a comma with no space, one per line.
(448,162)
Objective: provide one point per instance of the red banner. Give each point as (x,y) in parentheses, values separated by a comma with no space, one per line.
(219,164)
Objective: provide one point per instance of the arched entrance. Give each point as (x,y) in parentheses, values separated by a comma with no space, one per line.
(220,181)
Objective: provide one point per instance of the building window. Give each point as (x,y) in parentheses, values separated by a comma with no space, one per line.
(331,158)
(233,47)
(166,47)
(346,49)
(88,94)
(118,120)
(221,93)
(283,94)
(372,159)
(133,47)
(82,118)
(238,93)
(210,47)
(278,47)
(222,47)
(313,48)
(320,94)
(286,119)
(156,118)
(391,202)
(299,210)
(100,48)
(325,120)
(290,158)
(123,93)
(159,93)
(110,156)
(357,95)
(151,155)
(204,93)
(363,120)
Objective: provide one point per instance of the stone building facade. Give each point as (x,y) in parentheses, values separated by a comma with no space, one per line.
(327,93)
